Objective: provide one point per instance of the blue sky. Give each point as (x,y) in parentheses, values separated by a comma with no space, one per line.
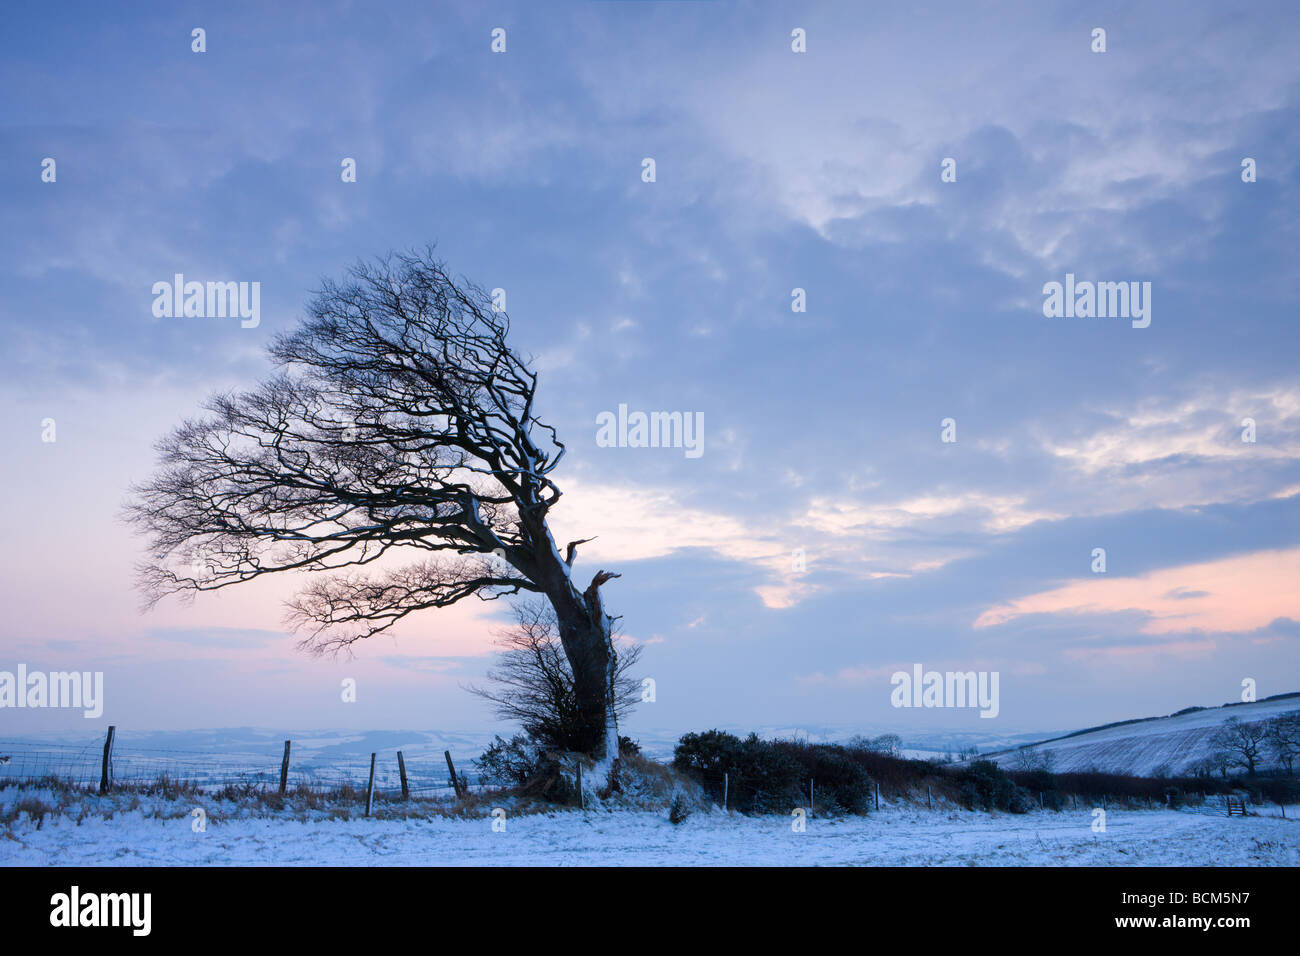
(775,170)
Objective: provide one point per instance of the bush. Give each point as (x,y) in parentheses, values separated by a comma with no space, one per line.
(1041,787)
(511,763)
(841,784)
(679,811)
(1280,790)
(523,763)
(772,776)
(985,786)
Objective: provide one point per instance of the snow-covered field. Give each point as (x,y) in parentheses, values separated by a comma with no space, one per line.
(1163,746)
(893,837)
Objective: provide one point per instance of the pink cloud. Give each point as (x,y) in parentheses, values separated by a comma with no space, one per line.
(1235,594)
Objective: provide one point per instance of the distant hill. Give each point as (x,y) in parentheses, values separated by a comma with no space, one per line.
(1149,746)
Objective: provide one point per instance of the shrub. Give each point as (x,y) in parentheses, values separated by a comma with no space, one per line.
(761,777)
(840,783)
(523,763)
(679,811)
(1041,787)
(985,786)
(511,763)
(773,776)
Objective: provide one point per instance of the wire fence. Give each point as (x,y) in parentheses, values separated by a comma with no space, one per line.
(23,761)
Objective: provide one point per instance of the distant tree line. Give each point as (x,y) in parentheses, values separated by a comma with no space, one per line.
(1248,745)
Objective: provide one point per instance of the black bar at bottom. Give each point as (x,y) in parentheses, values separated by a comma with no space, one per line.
(334,905)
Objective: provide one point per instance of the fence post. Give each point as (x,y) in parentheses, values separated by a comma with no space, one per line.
(582,797)
(877,795)
(105,773)
(284,769)
(370,787)
(455,780)
(401,770)
(929,801)
(726,782)
(811,804)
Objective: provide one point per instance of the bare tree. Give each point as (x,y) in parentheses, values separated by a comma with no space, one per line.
(890,744)
(1284,739)
(1219,761)
(533,682)
(1242,740)
(1028,759)
(399,418)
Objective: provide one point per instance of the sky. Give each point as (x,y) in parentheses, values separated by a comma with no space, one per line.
(824,432)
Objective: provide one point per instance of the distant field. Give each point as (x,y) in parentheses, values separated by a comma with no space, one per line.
(1166,746)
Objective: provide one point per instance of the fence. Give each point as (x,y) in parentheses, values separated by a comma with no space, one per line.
(389,776)
(111,763)
(1231,805)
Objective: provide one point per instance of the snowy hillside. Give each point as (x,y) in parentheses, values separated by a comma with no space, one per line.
(334,756)
(1161,746)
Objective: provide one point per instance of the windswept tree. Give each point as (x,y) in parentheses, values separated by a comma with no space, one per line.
(399,423)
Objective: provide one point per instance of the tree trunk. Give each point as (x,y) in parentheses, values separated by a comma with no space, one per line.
(590,650)
(586,633)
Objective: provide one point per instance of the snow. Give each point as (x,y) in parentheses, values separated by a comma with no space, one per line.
(895,836)
(1168,745)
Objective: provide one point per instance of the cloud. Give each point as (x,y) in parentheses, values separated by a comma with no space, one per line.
(989,512)
(1032,182)
(1286,626)
(424,665)
(1203,428)
(639,522)
(1229,595)
(225,637)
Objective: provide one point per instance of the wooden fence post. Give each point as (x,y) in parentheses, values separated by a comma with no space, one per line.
(401,770)
(726,782)
(877,795)
(455,780)
(370,787)
(582,797)
(284,769)
(106,771)
(811,803)
(929,800)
